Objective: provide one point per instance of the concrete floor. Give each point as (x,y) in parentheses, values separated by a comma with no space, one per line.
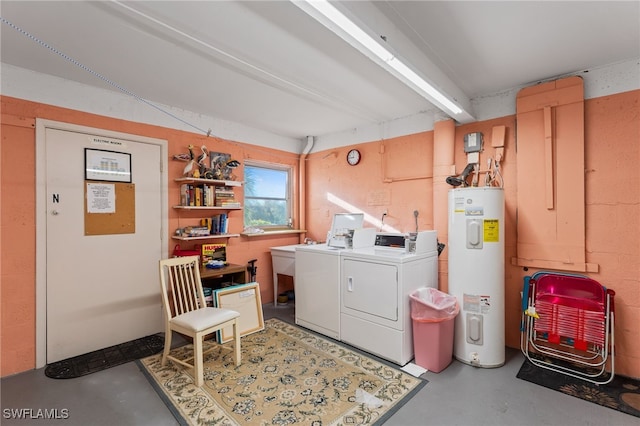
(459,395)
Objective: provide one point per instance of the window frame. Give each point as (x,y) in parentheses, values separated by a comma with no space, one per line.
(289,169)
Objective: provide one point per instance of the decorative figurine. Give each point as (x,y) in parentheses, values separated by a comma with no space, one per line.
(202,164)
(221,165)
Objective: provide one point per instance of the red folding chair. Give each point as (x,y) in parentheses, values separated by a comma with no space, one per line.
(568,325)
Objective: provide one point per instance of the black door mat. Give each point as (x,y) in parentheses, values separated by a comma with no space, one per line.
(103,359)
(621,394)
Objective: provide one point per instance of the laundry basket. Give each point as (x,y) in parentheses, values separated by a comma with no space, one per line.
(433,313)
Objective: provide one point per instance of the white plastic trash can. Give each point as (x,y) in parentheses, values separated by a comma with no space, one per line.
(433,313)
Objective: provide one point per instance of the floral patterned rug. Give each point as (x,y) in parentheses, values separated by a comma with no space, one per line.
(621,394)
(288,375)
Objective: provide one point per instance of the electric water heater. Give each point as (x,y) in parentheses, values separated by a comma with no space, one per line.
(476,274)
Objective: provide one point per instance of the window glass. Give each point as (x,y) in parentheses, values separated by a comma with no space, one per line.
(266,195)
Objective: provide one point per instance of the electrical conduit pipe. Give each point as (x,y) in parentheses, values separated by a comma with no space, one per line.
(302,187)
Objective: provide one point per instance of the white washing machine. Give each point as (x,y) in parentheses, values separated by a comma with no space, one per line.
(375,286)
(317,287)
(317,273)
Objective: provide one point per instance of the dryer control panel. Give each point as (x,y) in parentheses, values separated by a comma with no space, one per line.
(390,240)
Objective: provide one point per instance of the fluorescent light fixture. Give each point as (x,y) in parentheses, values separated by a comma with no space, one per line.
(390,62)
(348,26)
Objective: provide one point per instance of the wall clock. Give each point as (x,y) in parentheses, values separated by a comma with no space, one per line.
(353,157)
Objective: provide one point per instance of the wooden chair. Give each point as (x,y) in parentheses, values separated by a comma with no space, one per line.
(186,312)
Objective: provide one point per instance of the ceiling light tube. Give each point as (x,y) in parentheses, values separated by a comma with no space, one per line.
(422,85)
(389,61)
(345,24)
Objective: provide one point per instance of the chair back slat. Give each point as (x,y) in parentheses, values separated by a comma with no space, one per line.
(181,286)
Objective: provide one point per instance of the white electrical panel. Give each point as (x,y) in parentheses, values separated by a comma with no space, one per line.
(473,142)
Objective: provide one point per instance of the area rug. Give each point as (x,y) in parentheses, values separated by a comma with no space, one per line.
(288,375)
(102,359)
(621,394)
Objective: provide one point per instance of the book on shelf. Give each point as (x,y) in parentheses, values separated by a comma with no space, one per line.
(223,223)
(197,191)
(208,223)
(228,190)
(195,231)
(197,195)
(225,197)
(220,224)
(216,225)
(229,204)
(210,196)
(184,194)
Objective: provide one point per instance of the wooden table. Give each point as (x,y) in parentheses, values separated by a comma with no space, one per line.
(218,278)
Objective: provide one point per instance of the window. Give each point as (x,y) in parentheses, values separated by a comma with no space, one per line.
(267,195)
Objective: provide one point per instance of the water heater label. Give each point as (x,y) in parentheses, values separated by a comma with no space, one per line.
(485,304)
(458,205)
(474,211)
(475,303)
(491,230)
(470,303)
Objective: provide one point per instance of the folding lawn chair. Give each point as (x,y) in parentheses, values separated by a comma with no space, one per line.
(568,325)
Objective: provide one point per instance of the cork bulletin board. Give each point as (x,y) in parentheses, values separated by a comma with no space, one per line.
(109,208)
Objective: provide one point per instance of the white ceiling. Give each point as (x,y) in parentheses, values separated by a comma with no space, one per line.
(270,66)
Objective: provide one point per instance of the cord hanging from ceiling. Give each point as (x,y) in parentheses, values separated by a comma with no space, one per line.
(100,76)
(207,133)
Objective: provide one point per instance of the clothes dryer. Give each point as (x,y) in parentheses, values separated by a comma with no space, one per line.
(375,286)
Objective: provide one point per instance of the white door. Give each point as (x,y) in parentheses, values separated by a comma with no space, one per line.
(101,290)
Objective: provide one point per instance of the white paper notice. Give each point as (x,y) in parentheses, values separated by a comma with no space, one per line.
(101,198)
(414,369)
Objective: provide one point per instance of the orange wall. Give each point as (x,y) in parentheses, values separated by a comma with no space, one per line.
(612,211)
(612,135)
(18,228)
